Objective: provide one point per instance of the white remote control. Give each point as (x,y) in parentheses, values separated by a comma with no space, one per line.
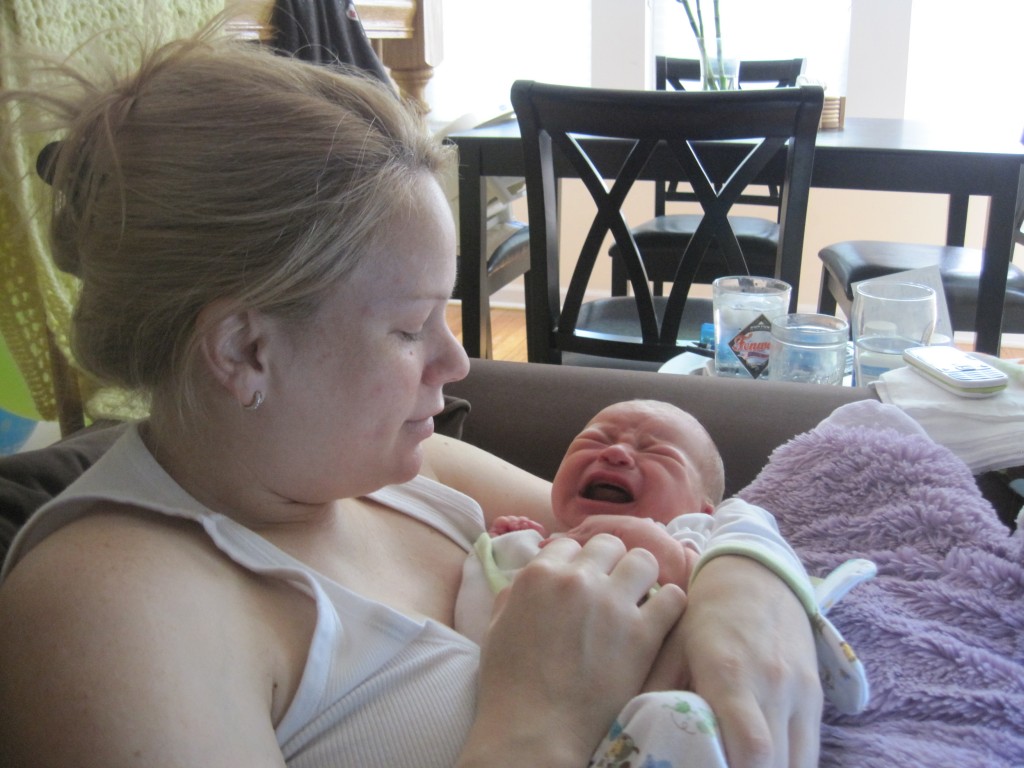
(959,372)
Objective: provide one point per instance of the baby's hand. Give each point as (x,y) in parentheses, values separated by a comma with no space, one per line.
(675,559)
(510,523)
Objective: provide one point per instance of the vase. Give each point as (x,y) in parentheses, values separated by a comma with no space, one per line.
(718,72)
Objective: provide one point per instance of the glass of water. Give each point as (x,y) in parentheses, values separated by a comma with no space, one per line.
(743,309)
(887,318)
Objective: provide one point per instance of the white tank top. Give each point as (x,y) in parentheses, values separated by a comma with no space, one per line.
(378,688)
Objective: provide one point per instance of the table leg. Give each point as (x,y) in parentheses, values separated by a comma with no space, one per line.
(956,220)
(998,253)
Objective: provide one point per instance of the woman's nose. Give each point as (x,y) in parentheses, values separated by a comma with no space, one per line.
(452,362)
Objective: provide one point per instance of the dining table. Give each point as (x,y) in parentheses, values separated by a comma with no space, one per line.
(959,160)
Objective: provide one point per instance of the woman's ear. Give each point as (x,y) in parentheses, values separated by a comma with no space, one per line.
(233,345)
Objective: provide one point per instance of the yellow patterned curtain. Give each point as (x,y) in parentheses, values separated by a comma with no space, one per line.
(36,297)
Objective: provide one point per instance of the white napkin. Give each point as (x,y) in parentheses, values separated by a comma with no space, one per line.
(986,433)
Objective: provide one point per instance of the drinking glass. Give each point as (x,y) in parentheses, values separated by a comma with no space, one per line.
(743,310)
(809,348)
(887,318)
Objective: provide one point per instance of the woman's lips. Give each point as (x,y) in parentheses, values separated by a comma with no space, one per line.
(421,428)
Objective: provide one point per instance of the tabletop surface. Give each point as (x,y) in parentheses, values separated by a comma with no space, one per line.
(867,133)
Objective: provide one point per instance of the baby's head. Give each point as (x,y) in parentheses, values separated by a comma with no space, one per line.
(642,458)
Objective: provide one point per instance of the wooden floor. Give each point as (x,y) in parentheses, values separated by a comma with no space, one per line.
(508,331)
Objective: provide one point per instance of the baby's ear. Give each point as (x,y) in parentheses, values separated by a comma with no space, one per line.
(707,507)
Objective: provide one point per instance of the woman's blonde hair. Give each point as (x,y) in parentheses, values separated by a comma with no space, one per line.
(219,169)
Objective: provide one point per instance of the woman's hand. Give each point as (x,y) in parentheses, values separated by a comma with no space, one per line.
(675,559)
(745,645)
(569,644)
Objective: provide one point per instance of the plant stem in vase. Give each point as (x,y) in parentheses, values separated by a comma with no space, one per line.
(718,73)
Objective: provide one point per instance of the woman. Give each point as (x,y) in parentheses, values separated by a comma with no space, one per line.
(264,571)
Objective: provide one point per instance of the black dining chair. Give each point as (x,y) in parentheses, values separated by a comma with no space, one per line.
(623,136)
(848,262)
(663,238)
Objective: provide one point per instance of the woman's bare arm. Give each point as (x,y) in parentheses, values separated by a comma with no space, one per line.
(499,487)
(127,642)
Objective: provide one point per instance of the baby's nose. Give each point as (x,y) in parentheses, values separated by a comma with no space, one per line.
(617,454)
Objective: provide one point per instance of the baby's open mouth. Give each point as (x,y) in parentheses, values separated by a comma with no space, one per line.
(609,492)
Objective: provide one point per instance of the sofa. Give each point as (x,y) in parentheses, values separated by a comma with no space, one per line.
(939,629)
(527,413)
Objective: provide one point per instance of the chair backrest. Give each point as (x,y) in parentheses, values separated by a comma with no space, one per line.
(568,130)
(676,74)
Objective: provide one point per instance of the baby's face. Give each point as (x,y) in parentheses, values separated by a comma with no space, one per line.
(637,459)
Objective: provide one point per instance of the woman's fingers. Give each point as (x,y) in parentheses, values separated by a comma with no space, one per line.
(747,737)
(632,573)
(756,737)
(574,621)
(804,742)
(671,669)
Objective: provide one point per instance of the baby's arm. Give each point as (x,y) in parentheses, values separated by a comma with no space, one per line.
(508,523)
(676,558)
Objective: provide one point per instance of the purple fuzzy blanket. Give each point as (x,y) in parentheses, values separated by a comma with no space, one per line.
(941,629)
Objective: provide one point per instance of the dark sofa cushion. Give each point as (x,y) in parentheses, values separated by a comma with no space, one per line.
(30,479)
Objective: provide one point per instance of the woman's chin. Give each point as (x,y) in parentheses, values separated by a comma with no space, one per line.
(410,464)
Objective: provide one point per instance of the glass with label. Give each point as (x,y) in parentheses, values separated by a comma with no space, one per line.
(887,318)
(743,310)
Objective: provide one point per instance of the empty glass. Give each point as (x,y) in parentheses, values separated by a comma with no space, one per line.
(809,348)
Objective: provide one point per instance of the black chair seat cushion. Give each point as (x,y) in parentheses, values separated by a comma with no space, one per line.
(855,260)
(617,316)
(509,260)
(662,239)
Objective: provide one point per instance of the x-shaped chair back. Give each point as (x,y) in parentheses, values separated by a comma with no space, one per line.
(625,136)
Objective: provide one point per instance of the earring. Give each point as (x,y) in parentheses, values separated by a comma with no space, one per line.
(255,403)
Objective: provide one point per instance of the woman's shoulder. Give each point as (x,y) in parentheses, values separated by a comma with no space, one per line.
(123,554)
(147,601)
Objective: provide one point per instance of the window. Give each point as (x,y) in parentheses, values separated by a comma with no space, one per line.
(965,59)
(488,45)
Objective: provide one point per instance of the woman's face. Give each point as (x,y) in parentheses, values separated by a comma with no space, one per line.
(356,389)
(633,459)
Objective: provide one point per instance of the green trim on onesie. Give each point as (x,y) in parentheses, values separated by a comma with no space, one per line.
(796,581)
(484,547)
